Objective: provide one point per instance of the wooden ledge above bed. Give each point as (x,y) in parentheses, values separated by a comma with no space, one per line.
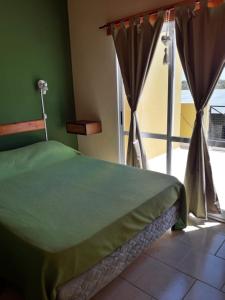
(13,128)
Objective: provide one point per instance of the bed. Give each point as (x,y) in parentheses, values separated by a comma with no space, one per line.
(70,224)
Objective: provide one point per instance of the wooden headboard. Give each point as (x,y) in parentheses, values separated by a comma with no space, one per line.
(13,128)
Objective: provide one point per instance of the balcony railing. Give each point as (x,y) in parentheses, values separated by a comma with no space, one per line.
(217,122)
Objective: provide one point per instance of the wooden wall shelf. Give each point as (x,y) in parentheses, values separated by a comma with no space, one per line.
(13,128)
(84,127)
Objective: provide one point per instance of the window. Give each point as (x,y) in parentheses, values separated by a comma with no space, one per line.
(166,116)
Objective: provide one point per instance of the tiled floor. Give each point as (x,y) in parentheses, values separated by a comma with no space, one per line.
(186,265)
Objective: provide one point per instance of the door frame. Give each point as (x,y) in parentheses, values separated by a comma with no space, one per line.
(168,137)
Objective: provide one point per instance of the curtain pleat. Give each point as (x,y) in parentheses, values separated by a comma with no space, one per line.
(201,45)
(135,46)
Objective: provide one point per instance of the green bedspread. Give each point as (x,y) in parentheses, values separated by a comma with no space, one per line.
(61,213)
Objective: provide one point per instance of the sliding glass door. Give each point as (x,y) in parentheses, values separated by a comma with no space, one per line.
(215,127)
(166,116)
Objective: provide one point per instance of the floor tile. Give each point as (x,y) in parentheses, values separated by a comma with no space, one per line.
(169,251)
(158,279)
(210,225)
(120,289)
(221,252)
(136,269)
(205,267)
(203,240)
(171,235)
(216,227)
(203,291)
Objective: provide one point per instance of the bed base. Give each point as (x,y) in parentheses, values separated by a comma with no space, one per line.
(91,282)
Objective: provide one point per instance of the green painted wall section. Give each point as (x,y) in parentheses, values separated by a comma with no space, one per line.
(34,44)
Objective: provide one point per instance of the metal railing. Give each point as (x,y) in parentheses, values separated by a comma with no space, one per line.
(217,122)
(214,108)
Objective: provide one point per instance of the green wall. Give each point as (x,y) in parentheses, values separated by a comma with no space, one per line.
(34,44)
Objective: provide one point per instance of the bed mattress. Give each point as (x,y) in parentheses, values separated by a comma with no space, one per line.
(62,216)
(87,285)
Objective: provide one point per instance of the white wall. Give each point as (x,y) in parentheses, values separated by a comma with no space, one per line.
(94,68)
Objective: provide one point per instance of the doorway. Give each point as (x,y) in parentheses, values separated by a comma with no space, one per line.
(166,117)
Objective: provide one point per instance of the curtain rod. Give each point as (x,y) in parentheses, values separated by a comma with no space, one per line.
(155,11)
